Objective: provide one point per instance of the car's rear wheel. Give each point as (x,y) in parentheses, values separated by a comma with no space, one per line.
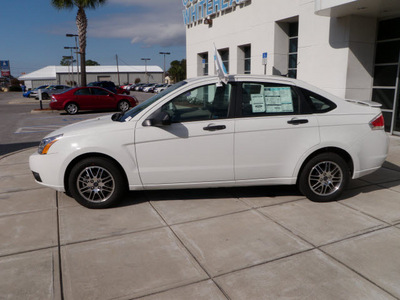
(324,177)
(71,108)
(45,96)
(96,183)
(123,106)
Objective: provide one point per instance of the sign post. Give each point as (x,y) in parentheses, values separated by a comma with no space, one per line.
(5,68)
(264,61)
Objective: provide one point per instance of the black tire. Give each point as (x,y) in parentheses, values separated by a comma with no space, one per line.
(71,108)
(123,106)
(324,177)
(96,183)
(45,96)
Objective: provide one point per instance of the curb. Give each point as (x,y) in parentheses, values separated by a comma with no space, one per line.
(16,152)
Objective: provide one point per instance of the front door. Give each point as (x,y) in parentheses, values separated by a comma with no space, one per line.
(196,148)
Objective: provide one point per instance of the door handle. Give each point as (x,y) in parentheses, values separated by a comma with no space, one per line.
(214,127)
(296,121)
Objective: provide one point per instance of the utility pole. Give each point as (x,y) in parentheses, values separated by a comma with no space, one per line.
(116,57)
(164,53)
(76,52)
(145,68)
(72,61)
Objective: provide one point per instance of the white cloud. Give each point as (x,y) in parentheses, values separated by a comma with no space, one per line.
(151,22)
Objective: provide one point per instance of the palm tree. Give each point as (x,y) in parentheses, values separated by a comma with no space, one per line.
(81,23)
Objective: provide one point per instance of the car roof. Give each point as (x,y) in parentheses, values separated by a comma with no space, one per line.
(268,78)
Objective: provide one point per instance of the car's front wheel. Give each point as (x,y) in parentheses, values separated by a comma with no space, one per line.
(96,183)
(71,108)
(123,106)
(324,177)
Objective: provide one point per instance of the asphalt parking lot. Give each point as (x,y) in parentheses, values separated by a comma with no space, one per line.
(239,243)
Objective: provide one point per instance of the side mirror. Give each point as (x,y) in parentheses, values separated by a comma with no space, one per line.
(158,119)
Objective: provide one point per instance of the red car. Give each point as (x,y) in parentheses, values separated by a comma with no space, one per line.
(90,98)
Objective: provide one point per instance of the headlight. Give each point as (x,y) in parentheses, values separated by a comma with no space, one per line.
(46,143)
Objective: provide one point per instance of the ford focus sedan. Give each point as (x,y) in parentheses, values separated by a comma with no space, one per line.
(90,98)
(201,133)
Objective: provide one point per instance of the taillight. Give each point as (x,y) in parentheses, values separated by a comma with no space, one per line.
(377,123)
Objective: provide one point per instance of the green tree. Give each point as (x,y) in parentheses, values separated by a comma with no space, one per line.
(178,70)
(66,61)
(81,23)
(90,62)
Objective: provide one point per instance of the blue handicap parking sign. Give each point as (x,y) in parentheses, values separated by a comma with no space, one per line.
(4,64)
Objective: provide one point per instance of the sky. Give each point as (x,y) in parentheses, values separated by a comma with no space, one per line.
(33,33)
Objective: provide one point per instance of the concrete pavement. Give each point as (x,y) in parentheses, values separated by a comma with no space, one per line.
(241,243)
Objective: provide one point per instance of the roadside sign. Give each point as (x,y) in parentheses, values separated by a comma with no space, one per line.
(264,58)
(4,64)
(5,68)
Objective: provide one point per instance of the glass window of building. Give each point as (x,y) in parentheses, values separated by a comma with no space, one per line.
(247,59)
(203,64)
(293,45)
(224,53)
(244,59)
(386,87)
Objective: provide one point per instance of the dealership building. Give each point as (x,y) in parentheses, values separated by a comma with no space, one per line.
(350,48)
(67,75)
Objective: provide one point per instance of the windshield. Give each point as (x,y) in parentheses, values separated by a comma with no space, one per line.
(137,109)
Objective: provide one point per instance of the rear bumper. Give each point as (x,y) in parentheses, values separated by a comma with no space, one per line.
(371,151)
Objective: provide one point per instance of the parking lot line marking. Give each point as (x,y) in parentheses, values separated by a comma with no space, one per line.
(34,129)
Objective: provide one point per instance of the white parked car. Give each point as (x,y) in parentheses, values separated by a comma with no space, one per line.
(50,90)
(254,130)
(161,87)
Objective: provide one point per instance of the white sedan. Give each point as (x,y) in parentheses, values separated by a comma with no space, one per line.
(200,133)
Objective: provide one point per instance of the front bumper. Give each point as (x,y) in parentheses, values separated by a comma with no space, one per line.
(47,170)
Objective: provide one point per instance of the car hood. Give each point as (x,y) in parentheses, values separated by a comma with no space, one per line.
(92,126)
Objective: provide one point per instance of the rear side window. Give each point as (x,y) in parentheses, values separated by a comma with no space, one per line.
(268,99)
(84,91)
(318,103)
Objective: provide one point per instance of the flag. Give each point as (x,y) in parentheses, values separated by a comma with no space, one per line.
(219,67)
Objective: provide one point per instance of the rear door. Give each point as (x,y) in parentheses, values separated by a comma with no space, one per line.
(271,133)
(84,98)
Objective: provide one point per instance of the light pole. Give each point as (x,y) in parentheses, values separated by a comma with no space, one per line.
(164,53)
(145,68)
(69,58)
(77,59)
(72,61)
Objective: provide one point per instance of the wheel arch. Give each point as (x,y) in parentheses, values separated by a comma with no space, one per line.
(342,153)
(92,154)
(123,100)
(70,102)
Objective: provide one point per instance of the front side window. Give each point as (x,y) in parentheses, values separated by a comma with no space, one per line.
(100,92)
(203,103)
(268,99)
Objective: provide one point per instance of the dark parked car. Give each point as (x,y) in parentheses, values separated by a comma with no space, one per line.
(108,85)
(91,98)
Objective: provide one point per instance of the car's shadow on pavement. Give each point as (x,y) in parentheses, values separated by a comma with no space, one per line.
(257,193)
(254,192)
